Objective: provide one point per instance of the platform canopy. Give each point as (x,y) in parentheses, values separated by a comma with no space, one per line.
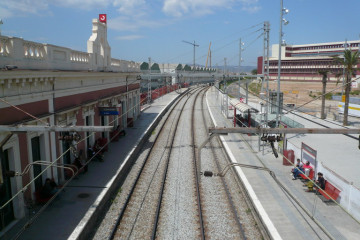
(242,107)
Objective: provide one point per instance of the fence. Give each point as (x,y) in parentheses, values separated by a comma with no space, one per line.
(350,195)
(157,93)
(33,55)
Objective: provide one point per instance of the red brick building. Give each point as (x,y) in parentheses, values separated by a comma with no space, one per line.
(57,86)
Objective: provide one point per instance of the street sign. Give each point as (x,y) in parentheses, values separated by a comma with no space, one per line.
(105,111)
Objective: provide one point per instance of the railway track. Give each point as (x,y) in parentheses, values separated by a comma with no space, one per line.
(140,215)
(167,199)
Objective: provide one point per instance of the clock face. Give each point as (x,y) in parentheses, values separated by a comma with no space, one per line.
(102,18)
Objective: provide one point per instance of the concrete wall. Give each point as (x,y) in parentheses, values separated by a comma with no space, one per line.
(33,55)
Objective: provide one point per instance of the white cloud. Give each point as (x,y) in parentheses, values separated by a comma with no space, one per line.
(178,8)
(86,5)
(129,37)
(251,9)
(9,8)
(130,7)
(126,23)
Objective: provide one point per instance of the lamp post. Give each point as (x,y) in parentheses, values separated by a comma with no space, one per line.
(194,45)
(285,22)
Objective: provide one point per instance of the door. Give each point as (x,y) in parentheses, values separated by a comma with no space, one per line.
(102,119)
(35,146)
(7,213)
(65,147)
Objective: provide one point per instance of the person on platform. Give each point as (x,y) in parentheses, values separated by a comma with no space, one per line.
(307,167)
(297,169)
(319,182)
(95,152)
(49,188)
(79,162)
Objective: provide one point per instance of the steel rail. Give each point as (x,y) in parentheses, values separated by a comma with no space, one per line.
(216,160)
(157,215)
(197,179)
(127,201)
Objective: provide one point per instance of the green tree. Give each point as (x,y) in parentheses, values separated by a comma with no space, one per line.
(349,61)
(179,67)
(254,72)
(155,68)
(144,66)
(324,74)
(187,68)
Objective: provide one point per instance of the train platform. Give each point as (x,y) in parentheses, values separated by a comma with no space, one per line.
(68,215)
(287,210)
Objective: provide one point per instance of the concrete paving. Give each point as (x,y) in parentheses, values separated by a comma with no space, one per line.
(287,211)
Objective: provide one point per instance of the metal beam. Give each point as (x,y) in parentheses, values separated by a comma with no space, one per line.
(197,74)
(286,130)
(35,128)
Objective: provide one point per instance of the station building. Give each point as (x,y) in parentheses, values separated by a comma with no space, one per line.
(44,84)
(303,62)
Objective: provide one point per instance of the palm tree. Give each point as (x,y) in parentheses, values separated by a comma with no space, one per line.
(324,74)
(349,61)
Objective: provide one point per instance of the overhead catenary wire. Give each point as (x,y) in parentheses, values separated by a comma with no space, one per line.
(291,111)
(220,39)
(306,103)
(23,111)
(247,46)
(53,164)
(230,43)
(30,221)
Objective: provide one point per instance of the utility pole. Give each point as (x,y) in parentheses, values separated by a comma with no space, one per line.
(194,45)
(282,11)
(225,91)
(343,82)
(240,46)
(265,71)
(149,83)
(265,78)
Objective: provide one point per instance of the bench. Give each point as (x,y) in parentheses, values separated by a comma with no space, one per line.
(330,191)
(311,175)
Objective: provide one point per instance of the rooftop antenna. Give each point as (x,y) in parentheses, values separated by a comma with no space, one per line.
(195,45)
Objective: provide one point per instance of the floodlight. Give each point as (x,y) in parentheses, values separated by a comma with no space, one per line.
(286,22)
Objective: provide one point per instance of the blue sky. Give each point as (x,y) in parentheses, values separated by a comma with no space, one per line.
(138,29)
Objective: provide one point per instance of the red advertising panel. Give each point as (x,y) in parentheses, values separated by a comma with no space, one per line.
(102,18)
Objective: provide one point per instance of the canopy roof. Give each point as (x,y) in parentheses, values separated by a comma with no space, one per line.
(242,107)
